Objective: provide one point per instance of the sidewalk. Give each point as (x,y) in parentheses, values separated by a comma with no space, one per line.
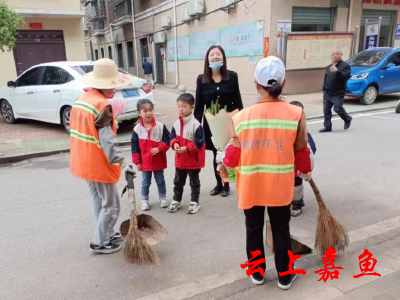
(29,139)
(234,284)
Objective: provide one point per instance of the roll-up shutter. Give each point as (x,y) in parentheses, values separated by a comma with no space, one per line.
(311,15)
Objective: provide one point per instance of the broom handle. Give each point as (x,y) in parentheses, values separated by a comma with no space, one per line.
(317,194)
(132,198)
(132,206)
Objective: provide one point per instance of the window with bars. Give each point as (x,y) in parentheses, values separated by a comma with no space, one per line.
(120,53)
(110,55)
(131,56)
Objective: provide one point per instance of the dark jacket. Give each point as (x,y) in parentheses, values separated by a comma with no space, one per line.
(147,67)
(336,83)
(226,92)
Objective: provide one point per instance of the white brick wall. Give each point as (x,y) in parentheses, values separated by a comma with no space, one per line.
(65,5)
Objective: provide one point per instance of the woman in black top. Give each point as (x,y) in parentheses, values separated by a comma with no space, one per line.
(216,84)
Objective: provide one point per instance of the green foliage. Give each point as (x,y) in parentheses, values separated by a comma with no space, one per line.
(215,108)
(9,20)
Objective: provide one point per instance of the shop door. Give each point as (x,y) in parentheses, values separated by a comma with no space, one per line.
(160,65)
(386,30)
(36,47)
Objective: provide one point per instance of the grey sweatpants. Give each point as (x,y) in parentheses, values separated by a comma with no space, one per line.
(106,209)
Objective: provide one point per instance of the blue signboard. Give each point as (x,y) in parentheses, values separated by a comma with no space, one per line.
(371,41)
(398,32)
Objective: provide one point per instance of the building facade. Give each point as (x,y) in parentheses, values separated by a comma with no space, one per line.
(52,31)
(248,30)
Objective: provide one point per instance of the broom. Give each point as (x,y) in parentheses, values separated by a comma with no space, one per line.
(329,230)
(136,250)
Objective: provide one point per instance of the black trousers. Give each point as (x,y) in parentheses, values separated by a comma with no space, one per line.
(335,101)
(180,181)
(279,218)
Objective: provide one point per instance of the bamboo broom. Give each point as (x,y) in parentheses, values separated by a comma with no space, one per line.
(329,230)
(136,250)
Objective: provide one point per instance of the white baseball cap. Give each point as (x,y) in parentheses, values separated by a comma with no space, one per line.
(269,71)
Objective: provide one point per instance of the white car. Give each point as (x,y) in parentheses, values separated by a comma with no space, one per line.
(46,93)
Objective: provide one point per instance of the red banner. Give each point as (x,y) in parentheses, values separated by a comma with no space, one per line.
(36,26)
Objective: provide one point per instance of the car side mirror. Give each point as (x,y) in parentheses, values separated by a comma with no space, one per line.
(11,84)
(389,66)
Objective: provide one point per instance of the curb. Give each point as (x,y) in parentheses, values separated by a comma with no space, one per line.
(5,161)
(17,158)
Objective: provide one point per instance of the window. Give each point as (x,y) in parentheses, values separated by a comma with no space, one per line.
(29,78)
(144,48)
(131,57)
(312,19)
(110,56)
(120,56)
(395,59)
(91,50)
(367,58)
(82,70)
(102,52)
(96,54)
(54,75)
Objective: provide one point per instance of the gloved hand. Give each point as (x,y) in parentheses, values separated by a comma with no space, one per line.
(220,157)
(306,177)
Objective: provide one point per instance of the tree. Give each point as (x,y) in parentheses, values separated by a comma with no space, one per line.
(9,20)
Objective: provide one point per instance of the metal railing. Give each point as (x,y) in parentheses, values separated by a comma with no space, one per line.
(123,8)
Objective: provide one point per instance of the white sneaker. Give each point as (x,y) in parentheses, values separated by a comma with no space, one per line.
(145,206)
(193,208)
(163,202)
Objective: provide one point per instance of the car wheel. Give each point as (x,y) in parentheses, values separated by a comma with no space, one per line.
(65,118)
(7,112)
(369,96)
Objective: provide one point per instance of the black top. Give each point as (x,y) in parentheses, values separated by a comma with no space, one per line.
(227,94)
(336,83)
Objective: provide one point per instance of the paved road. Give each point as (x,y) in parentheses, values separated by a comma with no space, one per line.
(47,223)
(31,137)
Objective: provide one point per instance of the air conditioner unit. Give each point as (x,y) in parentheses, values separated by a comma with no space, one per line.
(185,15)
(160,37)
(165,22)
(227,3)
(196,7)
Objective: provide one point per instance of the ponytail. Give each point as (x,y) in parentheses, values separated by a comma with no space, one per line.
(274,88)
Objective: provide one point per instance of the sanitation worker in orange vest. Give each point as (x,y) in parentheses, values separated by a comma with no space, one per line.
(95,154)
(271,144)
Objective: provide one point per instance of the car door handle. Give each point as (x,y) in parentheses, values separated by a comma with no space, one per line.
(56,91)
(30,93)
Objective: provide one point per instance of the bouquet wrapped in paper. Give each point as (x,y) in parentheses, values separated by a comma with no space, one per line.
(222,129)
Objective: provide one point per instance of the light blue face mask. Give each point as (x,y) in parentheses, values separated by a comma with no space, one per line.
(216,65)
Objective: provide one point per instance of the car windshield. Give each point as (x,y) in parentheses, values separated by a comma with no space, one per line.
(82,70)
(368,58)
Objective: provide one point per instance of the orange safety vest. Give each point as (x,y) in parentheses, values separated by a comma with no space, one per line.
(267,132)
(88,160)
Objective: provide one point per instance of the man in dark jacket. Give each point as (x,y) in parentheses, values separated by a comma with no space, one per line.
(336,76)
(148,72)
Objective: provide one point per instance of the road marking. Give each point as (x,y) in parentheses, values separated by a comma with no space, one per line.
(210,282)
(385,118)
(354,116)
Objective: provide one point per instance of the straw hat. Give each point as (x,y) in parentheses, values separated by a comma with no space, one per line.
(105,75)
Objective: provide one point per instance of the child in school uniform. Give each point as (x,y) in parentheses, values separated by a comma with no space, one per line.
(298,195)
(150,142)
(187,140)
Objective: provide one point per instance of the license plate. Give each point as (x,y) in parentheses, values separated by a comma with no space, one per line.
(130,93)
